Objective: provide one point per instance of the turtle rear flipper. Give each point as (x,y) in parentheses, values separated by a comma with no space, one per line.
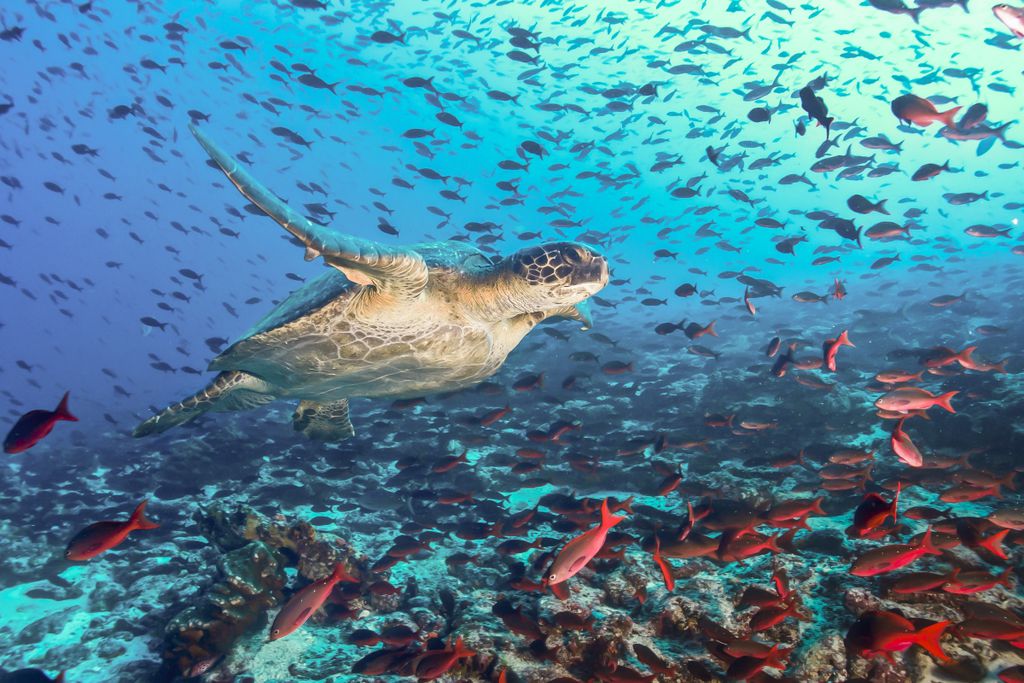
(324,421)
(232,390)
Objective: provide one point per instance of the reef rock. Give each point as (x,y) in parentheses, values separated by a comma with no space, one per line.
(251,581)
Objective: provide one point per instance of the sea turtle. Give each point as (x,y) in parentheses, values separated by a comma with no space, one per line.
(384,321)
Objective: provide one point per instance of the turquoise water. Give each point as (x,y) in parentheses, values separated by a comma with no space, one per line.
(501,126)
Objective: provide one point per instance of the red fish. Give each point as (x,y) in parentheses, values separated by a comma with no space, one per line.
(34,425)
(748,667)
(914,109)
(965,493)
(1015,674)
(942,356)
(903,447)
(494,415)
(448,463)
(906,399)
(874,510)
(891,557)
(831,347)
(102,536)
(771,615)
(306,601)
(969,583)
(580,550)
(529,382)
(898,376)
(838,290)
(882,633)
(433,664)
(31,676)
(666,570)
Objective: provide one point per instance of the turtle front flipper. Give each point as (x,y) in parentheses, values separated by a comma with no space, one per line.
(393,270)
(580,313)
(231,390)
(324,421)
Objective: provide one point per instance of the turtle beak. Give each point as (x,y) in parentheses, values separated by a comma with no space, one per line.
(593,275)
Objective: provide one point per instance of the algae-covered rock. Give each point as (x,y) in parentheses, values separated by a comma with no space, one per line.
(312,552)
(251,580)
(824,660)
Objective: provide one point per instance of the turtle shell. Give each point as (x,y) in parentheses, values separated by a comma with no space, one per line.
(444,256)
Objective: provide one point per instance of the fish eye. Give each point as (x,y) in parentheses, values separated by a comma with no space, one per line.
(552,577)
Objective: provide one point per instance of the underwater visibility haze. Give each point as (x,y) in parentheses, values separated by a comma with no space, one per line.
(541,341)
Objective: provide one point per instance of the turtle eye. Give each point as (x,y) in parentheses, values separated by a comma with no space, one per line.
(573,255)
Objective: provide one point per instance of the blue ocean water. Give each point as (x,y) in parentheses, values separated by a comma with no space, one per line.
(128,263)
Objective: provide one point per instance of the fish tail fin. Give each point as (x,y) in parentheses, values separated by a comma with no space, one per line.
(965,355)
(930,638)
(63,412)
(341,574)
(627,504)
(608,520)
(138,520)
(816,505)
(781,584)
(1007,481)
(711,328)
(994,543)
(460,650)
(926,544)
(782,542)
(943,400)
(844,339)
(948,116)
(1006,577)
(915,14)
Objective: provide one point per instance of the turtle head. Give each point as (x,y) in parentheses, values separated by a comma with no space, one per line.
(547,277)
(560,273)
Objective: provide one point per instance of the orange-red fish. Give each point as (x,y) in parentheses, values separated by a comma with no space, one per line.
(903,447)
(306,601)
(874,510)
(102,536)
(914,109)
(906,399)
(33,426)
(575,555)
(892,557)
(831,347)
(666,570)
(882,633)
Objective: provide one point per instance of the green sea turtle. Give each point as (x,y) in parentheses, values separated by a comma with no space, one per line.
(384,321)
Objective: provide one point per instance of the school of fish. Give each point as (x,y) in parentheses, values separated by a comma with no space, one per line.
(788,450)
